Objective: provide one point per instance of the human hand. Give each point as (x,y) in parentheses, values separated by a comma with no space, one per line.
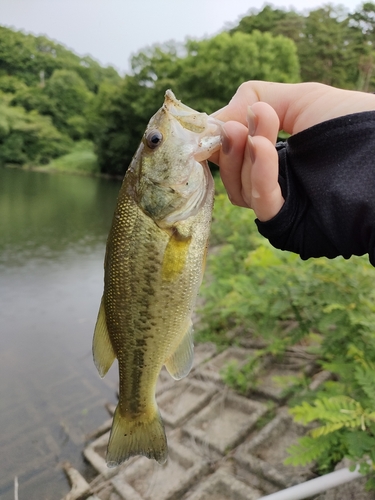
(249,168)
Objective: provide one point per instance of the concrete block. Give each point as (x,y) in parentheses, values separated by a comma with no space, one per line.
(165,381)
(79,485)
(223,486)
(213,368)
(294,365)
(95,454)
(203,353)
(265,452)
(184,398)
(269,387)
(257,481)
(226,421)
(144,479)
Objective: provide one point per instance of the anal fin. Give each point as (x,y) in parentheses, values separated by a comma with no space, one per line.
(102,349)
(180,362)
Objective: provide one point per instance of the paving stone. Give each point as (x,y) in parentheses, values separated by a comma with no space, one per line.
(144,479)
(95,454)
(184,398)
(265,452)
(165,381)
(257,481)
(223,486)
(294,365)
(79,485)
(203,352)
(226,421)
(212,369)
(199,448)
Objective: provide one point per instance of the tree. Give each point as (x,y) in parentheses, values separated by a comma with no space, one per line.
(214,68)
(28,138)
(69,99)
(34,59)
(326,50)
(363,22)
(203,74)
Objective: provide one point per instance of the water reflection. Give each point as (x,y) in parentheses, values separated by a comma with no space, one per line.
(53,230)
(44,215)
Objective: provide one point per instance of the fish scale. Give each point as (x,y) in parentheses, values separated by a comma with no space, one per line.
(153,269)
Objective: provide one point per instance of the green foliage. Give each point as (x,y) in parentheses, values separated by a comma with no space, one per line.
(82,159)
(214,68)
(240,379)
(253,290)
(34,59)
(52,91)
(333,46)
(272,20)
(204,74)
(325,448)
(69,99)
(28,138)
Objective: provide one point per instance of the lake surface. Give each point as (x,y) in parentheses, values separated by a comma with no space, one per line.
(53,230)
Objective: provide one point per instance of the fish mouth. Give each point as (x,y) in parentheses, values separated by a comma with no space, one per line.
(189,118)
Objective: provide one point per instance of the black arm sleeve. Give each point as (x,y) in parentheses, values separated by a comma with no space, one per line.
(327,177)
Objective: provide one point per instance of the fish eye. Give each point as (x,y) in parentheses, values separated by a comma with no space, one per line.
(154,138)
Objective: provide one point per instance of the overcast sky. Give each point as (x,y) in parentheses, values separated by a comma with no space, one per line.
(112,30)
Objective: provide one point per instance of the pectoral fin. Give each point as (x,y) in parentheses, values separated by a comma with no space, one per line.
(102,349)
(181,361)
(175,256)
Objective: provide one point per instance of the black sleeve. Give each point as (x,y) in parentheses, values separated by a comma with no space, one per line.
(327,177)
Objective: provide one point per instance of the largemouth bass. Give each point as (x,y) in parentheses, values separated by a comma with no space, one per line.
(154,266)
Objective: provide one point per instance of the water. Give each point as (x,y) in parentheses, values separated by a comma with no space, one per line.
(53,230)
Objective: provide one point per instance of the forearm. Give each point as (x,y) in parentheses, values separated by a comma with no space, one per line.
(327,176)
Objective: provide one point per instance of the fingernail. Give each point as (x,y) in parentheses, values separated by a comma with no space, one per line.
(254,193)
(250,149)
(226,144)
(252,121)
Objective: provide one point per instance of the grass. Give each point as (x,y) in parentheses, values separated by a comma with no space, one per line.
(82,159)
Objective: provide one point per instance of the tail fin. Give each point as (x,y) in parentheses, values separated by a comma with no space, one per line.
(136,437)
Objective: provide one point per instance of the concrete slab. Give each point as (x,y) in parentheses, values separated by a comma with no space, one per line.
(144,479)
(165,381)
(223,486)
(199,448)
(213,368)
(272,381)
(257,481)
(265,452)
(95,453)
(203,353)
(268,386)
(226,421)
(79,485)
(183,399)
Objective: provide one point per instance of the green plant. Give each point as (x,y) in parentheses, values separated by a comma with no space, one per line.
(328,306)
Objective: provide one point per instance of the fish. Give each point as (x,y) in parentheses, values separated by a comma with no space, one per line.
(154,265)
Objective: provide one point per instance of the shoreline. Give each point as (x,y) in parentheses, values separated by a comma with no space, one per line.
(48,170)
